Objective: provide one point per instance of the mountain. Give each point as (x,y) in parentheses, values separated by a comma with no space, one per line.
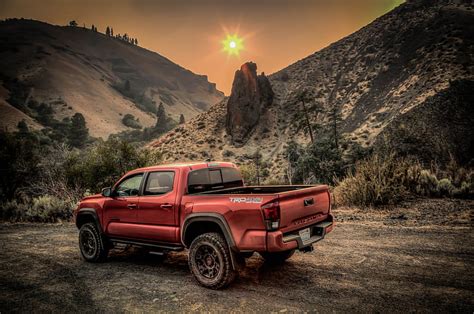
(74,69)
(386,74)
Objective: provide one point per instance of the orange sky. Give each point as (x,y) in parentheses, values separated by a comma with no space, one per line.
(189,32)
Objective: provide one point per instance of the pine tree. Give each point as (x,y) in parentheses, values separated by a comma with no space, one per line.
(309,107)
(181,119)
(257,159)
(127,85)
(335,120)
(136,42)
(78,132)
(107,31)
(23,127)
(111,32)
(161,120)
(92,27)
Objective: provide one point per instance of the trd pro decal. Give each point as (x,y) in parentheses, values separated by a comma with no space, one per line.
(247,200)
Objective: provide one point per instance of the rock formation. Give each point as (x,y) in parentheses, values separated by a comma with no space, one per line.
(250,95)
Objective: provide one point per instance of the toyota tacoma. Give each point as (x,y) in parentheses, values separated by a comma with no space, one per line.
(206,208)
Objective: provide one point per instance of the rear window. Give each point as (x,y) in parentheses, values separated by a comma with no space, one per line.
(204,180)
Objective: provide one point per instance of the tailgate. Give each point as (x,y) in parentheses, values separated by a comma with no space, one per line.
(303,207)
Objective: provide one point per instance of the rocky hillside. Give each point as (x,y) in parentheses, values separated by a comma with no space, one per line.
(391,71)
(73,69)
(251,95)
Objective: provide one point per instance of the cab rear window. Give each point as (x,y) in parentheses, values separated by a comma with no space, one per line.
(210,179)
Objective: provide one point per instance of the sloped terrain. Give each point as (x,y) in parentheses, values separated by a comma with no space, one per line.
(372,78)
(441,126)
(73,69)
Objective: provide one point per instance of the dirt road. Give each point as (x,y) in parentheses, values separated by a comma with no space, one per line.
(386,263)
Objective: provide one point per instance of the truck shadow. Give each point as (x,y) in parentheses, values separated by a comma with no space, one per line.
(256,270)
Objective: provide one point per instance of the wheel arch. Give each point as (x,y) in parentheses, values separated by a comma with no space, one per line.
(199,223)
(86,215)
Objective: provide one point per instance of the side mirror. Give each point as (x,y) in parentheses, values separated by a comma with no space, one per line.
(107,192)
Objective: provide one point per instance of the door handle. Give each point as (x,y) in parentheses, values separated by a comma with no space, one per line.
(166,206)
(132,206)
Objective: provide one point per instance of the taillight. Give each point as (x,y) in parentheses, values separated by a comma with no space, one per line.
(271,214)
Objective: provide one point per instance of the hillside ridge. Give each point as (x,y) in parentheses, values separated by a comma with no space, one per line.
(372,78)
(74,69)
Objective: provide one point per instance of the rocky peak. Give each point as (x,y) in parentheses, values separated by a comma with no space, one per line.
(251,94)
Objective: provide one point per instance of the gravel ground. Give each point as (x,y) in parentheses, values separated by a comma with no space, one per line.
(373,261)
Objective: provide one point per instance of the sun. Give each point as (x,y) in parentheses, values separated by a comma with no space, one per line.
(232,44)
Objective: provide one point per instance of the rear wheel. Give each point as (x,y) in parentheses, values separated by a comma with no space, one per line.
(210,261)
(277,257)
(92,244)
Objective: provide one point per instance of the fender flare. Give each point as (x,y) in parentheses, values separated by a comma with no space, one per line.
(222,223)
(209,217)
(89,212)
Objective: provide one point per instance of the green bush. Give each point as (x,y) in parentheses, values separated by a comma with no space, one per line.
(228,153)
(12,210)
(249,173)
(379,180)
(445,187)
(382,180)
(427,184)
(39,209)
(130,121)
(105,162)
(465,190)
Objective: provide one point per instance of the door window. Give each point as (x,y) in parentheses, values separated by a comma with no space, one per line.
(130,186)
(159,183)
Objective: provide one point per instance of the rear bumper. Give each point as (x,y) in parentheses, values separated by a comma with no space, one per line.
(278,241)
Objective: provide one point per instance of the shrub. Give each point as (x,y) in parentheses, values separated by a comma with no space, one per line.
(465,190)
(379,180)
(227,153)
(445,187)
(104,163)
(130,121)
(39,209)
(249,173)
(427,184)
(10,210)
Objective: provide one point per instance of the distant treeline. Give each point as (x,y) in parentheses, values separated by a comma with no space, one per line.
(109,31)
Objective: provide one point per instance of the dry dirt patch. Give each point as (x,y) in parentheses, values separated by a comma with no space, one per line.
(369,264)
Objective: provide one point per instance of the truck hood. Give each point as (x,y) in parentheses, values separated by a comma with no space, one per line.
(91,197)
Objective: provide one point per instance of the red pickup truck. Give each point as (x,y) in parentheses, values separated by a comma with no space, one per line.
(206,208)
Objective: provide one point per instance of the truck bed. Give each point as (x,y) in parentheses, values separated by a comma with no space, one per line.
(267,189)
(300,205)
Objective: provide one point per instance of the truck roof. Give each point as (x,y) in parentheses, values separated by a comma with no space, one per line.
(190,165)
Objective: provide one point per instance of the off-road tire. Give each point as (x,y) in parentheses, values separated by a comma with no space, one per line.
(277,257)
(216,244)
(96,248)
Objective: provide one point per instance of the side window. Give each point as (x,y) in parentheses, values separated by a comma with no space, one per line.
(130,186)
(159,183)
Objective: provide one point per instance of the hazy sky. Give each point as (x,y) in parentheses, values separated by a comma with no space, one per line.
(275,33)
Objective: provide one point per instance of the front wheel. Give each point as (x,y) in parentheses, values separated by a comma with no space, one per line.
(277,257)
(92,245)
(210,261)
